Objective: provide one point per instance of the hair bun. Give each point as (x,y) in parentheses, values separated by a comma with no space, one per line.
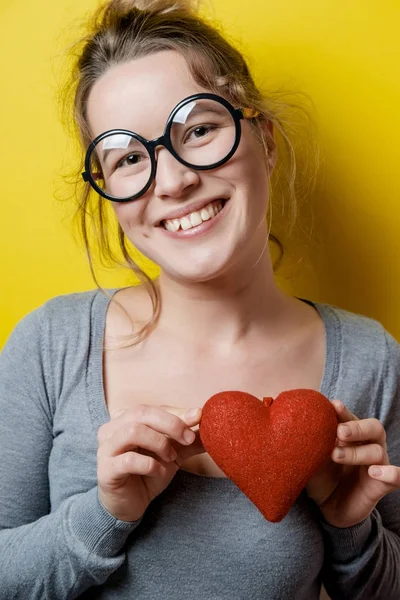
(122,7)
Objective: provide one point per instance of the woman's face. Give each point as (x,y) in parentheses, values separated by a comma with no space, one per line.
(139,96)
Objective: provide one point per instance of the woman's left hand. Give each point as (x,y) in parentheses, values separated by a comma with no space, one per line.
(348,486)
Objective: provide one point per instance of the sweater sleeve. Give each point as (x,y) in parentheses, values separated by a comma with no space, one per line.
(44,554)
(364,561)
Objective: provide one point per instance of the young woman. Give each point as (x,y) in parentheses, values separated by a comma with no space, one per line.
(106,490)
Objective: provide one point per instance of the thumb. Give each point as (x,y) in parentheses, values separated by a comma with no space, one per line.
(386,477)
(185,452)
(190,416)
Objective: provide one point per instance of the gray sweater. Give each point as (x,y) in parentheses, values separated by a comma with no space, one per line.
(201,538)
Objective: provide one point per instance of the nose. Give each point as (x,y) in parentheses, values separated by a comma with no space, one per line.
(173,179)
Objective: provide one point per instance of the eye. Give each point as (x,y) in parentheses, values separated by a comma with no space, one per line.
(199,132)
(130,160)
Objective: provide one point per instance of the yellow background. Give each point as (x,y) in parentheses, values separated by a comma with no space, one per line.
(344,54)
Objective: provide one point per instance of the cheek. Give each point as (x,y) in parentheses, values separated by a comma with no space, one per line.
(249,171)
(129,215)
(257,164)
(258,174)
(252,157)
(130,218)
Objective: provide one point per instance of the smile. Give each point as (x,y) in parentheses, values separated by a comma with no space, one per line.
(194,219)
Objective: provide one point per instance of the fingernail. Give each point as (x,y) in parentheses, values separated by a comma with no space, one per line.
(340,453)
(192,413)
(173,454)
(376,472)
(345,430)
(189,436)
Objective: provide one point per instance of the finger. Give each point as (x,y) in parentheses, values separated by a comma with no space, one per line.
(155,417)
(136,435)
(387,474)
(185,452)
(191,416)
(343,412)
(118,468)
(368,454)
(362,430)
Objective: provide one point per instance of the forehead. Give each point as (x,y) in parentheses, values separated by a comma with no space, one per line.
(140,94)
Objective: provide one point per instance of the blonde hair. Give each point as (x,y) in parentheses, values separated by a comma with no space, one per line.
(122,30)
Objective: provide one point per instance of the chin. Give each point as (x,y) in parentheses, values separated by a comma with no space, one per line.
(195,273)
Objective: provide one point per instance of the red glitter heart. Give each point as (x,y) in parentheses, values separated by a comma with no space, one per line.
(269,449)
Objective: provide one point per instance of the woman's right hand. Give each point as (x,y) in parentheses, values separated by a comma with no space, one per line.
(139,452)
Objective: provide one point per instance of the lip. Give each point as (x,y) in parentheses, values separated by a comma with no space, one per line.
(199,230)
(190,208)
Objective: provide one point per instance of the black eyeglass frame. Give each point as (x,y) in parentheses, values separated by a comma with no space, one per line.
(165,140)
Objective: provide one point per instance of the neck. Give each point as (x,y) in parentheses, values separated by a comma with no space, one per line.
(224,310)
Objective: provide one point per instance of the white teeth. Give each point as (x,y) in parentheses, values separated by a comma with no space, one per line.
(172,225)
(185,223)
(195,218)
(205,215)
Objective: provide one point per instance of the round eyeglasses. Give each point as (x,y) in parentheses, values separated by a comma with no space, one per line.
(202,132)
